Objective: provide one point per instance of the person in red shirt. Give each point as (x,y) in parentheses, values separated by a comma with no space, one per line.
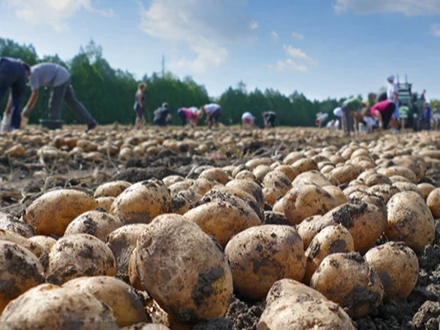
(383,112)
(188,116)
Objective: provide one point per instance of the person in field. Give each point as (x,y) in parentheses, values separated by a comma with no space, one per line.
(320,119)
(383,113)
(162,116)
(212,112)
(13,78)
(247,120)
(139,103)
(188,116)
(393,95)
(57,77)
(269,119)
(350,108)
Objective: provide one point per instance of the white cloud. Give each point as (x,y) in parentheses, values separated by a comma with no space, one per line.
(52,12)
(298,54)
(274,35)
(297,35)
(204,26)
(254,25)
(436,30)
(407,7)
(288,65)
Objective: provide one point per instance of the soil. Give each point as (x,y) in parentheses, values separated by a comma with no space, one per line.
(24,179)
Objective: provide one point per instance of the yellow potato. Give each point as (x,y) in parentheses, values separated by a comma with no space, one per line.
(111,189)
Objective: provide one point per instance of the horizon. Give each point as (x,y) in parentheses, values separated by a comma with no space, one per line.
(352,50)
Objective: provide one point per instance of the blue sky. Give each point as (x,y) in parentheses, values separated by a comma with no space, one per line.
(322,48)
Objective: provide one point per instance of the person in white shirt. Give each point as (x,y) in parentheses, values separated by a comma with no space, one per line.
(338,114)
(247,120)
(213,112)
(321,118)
(392,95)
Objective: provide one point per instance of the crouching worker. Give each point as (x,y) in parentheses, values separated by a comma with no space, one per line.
(269,119)
(188,116)
(383,112)
(162,116)
(320,119)
(247,120)
(213,112)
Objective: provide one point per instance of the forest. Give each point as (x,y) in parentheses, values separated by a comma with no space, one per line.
(108,93)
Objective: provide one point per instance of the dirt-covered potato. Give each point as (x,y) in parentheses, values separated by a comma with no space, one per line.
(20,270)
(52,212)
(19,227)
(305,165)
(425,189)
(124,302)
(398,170)
(433,202)
(250,187)
(180,186)
(215,174)
(245,175)
(133,274)
(171,179)
(311,177)
(410,220)
(79,255)
(95,223)
(385,191)
(111,189)
(312,226)
(105,202)
(366,222)
(142,202)
(346,279)
(304,201)
(122,242)
(376,178)
(408,186)
(291,305)
(10,236)
(183,270)
(146,326)
(271,195)
(259,256)
(288,170)
(222,220)
(46,242)
(332,239)
(337,193)
(278,180)
(49,307)
(346,173)
(201,186)
(397,266)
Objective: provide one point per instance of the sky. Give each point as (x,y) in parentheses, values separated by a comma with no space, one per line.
(321,48)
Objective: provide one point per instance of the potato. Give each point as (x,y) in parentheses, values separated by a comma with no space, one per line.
(279,180)
(331,239)
(10,236)
(253,163)
(20,270)
(19,227)
(146,326)
(346,173)
(171,179)
(407,186)
(133,273)
(271,195)
(398,170)
(46,242)
(250,187)
(79,255)
(365,222)
(180,186)
(259,256)
(260,172)
(111,189)
(293,157)
(49,307)
(201,186)
(433,202)
(337,193)
(215,174)
(245,175)
(312,226)
(384,191)
(288,170)
(397,266)
(105,202)
(124,302)
(346,279)
(425,189)
(95,223)
(122,242)
(410,220)
(304,201)
(291,305)
(191,281)
(376,178)
(311,177)
(304,165)
(142,202)
(52,212)
(222,219)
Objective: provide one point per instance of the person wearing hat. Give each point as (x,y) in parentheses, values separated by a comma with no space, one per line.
(247,120)
(393,95)
(213,112)
(162,116)
(13,78)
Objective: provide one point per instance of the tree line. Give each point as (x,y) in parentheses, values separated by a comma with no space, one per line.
(108,93)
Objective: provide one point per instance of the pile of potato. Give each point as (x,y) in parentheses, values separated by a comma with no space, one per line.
(324,235)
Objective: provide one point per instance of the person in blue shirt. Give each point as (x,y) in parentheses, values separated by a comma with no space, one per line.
(427,116)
